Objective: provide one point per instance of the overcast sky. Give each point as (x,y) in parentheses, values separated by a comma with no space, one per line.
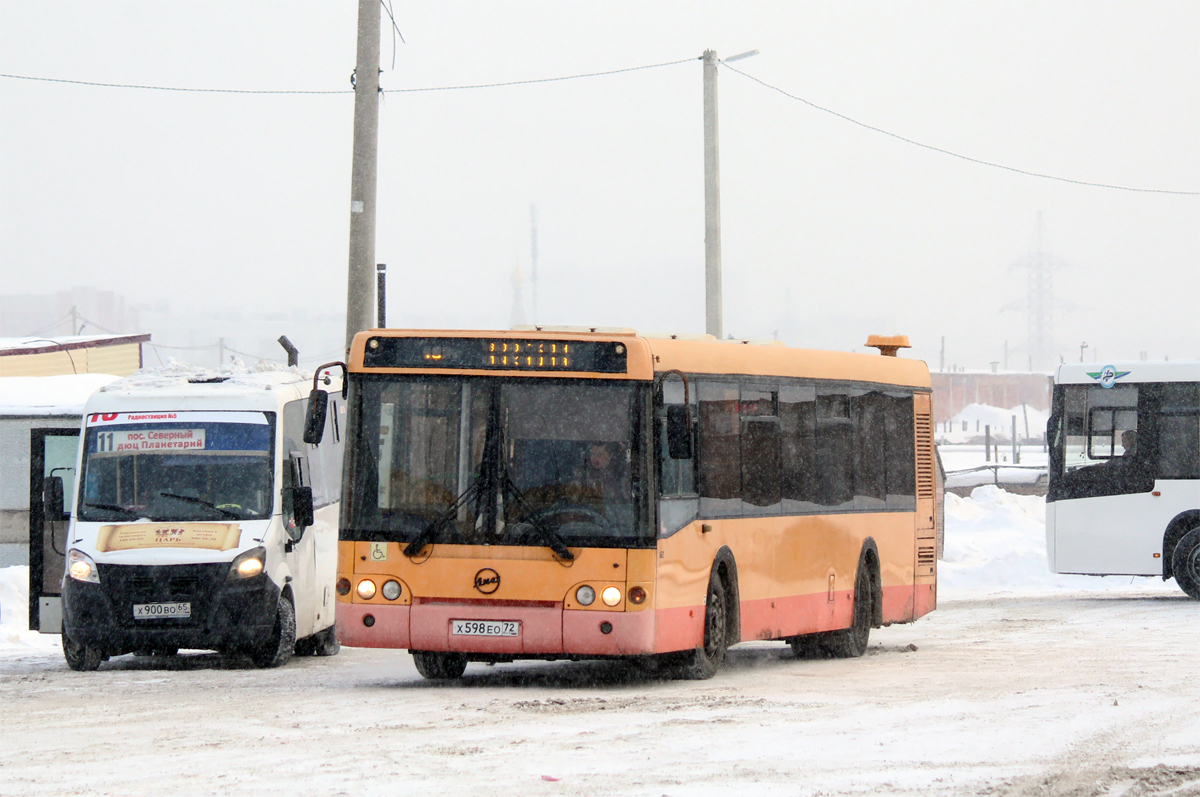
(831,231)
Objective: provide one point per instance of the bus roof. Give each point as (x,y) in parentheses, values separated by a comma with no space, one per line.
(1121,373)
(649,355)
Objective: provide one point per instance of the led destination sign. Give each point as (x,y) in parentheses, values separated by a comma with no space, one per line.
(489,354)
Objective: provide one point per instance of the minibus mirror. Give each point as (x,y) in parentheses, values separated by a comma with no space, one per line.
(302,510)
(52,498)
(679,431)
(314,421)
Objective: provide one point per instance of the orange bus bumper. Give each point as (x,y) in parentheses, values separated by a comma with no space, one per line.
(545,630)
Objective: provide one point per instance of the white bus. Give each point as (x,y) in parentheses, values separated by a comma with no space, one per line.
(200,519)
(1124,489)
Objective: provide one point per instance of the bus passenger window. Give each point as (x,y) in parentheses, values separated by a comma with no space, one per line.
(835,450)
(720,450)
(760,450)
(870,470)
(798,437)
(901,468)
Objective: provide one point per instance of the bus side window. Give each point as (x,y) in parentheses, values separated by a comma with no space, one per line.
(835,449)
(720,450)
(678,476)
(760,451)
(1179,432)
(798,433)
(901,454)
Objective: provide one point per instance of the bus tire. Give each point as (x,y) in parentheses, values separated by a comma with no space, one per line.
(277,649)
(703,662)
(439,666)
(1185,563)
(81,658)
(850,643)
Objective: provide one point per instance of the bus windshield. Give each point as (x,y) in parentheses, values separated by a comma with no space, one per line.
(495,461)
(189,470)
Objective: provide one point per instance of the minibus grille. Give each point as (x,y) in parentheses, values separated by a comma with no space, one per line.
(127,585)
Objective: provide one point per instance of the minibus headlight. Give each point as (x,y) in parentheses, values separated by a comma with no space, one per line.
(585,595)
(366,589)
(247,565)
(611,596)
(81,567)
(391,590)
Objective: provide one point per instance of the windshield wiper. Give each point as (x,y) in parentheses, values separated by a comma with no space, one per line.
(113,508)
(192,500)
(553,541)
(430,532)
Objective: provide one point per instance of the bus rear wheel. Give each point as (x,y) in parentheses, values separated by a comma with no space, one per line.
(439,666)
(850,643)
(703,662)
(1185,563)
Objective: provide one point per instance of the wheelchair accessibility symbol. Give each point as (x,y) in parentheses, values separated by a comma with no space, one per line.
(379,552)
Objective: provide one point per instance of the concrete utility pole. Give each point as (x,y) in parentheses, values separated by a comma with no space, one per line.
(362,179)
(712,201)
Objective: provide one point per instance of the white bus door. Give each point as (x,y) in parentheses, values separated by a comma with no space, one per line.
(52,457)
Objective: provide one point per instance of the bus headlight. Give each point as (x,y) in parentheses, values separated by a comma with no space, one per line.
(391,590)
(247,565)
(611,596)
(585,595)
(637,596)
(81,567)
(366,589)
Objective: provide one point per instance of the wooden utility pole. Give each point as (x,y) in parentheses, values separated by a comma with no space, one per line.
(359,288)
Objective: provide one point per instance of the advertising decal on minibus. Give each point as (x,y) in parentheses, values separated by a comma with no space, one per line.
(129,536)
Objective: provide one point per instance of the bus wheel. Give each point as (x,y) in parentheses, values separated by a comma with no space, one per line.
(277,649)
(439,666)
(851,643)
(81,658)
(1185,563)
(703,662)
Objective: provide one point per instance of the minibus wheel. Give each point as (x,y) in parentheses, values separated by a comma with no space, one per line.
(81,658)
(1185,563)
(277,649)
(439,666)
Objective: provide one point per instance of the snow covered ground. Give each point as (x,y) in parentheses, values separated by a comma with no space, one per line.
(1021,683)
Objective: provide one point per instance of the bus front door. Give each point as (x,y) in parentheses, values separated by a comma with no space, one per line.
(52,457)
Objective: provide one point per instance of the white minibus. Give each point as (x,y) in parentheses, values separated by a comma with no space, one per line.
(200,519)
(1124,488)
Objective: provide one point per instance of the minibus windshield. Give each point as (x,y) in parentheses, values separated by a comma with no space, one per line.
(190,470)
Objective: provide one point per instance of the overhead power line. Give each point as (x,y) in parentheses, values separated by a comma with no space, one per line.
(351,91)
(948,152)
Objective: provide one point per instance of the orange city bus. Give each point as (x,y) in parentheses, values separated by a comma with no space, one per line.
(565,493)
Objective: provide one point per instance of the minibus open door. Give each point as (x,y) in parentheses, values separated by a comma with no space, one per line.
(52,457)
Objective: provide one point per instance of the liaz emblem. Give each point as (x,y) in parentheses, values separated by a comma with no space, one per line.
(487,581)
(1107,376)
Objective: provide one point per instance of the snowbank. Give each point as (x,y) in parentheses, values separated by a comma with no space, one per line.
(49,395)
(977,416)
(996,542)
(15,636)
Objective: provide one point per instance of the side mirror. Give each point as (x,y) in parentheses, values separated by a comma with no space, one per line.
(679,431)
(52,498)
(314,420)
(301,511)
